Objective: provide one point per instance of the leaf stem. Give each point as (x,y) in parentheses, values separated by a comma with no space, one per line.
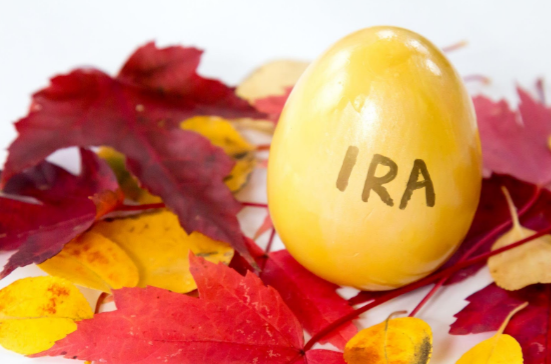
(268,248)
(263,147)
(142,207)
(498,230)
(254,204)
(456,46)
(415,285)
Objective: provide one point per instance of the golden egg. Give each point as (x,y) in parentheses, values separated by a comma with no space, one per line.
(375,167)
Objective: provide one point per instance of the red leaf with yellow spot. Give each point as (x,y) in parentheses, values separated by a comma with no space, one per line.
(45,207)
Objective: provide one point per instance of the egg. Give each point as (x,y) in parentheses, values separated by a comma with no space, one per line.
(374,172)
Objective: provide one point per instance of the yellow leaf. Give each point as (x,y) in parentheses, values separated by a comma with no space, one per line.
(525,265)
(36,312)
(93,261)
(159,247)
(499,349)
(222,134)
(405,340)
(127,182)
(271,79)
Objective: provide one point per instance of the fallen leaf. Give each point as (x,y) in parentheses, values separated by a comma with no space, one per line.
(489,307)
(499,349)
(222,134)
(313,300)
(93,261)
(493,211)
(516,143)
(138,113)
(36,312)
(241,265)
(236,320)
(525,265)
(268,87)
(127,182)
(273,105)
(159,247)
(320,356)
(403,340)
(63,208)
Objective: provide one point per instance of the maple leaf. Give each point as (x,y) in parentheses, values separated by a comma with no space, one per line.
(236,320)
(138,113)
(516,143)
(493,211)
(314,301)
(65,208)
(490,306)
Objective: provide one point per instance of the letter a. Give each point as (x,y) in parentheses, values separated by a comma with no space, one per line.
(419,167)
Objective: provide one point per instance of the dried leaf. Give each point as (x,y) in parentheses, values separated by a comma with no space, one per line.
(499,349)
(313,300)
(525,265)
(489,307)
(159,247)
(493,211)
(236,320)
(268,87)
(93,261)
(271,79)
(404,340)
(222,134)
(36,312)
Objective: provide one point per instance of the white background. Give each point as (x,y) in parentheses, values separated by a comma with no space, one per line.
(508,42)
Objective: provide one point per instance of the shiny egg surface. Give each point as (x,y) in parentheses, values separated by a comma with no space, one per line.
(374,172)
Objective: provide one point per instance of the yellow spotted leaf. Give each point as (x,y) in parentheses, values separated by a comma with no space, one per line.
(404,340)
(222,134)
(159,247)
(36,312)
(93,261)
(499,349)
(525,265)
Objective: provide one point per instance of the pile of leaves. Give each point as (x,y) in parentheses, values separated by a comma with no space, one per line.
(151,221)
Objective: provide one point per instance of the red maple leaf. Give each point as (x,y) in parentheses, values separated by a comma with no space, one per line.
(493,211)
(273,105)
(138,113)
(314,301)
(236,319)
(62,207)
(516,143)
(488,308)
